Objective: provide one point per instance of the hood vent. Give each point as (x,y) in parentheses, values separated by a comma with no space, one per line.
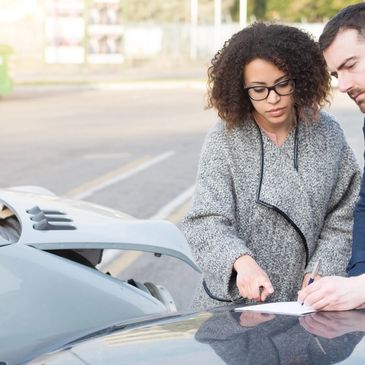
(49,220)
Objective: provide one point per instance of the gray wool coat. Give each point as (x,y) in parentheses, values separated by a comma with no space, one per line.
(285,206)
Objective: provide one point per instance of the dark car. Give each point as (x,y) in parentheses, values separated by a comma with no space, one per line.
(51,290)
(222,336)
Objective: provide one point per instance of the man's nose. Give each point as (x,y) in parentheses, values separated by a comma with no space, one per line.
(345,83)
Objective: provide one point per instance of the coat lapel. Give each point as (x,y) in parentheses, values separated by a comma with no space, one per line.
(282,189)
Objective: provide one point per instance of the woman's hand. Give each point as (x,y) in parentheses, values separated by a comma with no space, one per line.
(253,319)
(252,282)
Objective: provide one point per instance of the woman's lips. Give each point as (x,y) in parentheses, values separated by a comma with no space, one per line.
(276,112)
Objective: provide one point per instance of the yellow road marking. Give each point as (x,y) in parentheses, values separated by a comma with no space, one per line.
(104,178)
(122,261)
(179,213)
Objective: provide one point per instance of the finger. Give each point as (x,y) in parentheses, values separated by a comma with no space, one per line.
(307,324)
(305,281)
(330,307)
(265,317)
(242,291)
(314,326)
(268,316)
(242,287)
(266,289)
(317,302)
(254,292)
(324,319)
(248,292)
(306,292)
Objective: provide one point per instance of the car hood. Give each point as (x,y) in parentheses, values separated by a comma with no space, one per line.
(223,336)
(49,222)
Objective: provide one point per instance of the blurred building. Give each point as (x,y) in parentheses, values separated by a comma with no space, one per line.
(104,32)
(79,31)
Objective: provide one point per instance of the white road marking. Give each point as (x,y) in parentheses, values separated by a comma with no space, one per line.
(152,85)
(114,177)
(116,261)
(105,156)
(174,204)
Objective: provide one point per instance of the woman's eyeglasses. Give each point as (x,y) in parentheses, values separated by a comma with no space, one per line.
(282,88)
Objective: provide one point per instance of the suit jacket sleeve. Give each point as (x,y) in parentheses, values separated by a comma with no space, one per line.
(357,262)
(334,243)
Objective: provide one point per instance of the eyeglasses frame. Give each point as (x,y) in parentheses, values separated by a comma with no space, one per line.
(269,89)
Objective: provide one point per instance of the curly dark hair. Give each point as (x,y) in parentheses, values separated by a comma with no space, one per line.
(288,48)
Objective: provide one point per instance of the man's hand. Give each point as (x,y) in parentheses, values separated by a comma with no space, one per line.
(333,324)
(306,279)
(334,293)
(252,281)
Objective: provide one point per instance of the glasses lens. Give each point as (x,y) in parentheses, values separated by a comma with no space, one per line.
(258,92)
(282,88)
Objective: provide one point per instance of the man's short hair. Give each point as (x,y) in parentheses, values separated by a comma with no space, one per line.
(351,17)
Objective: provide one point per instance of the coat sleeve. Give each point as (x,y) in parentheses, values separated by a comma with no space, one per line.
(334,243)
(210,227)
(357,262)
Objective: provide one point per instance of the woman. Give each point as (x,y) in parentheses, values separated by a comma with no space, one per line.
(277,181)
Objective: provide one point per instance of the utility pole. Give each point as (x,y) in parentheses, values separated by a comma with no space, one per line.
(243,13)
(193,28)
(217,23)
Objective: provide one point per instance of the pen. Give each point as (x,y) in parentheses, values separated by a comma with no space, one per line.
(314,273)
(319,345)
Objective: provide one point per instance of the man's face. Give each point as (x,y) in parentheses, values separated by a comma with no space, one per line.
(345,59)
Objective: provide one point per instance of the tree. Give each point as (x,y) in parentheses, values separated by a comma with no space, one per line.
(255,8)
(291,10)
(259,9)
(173,10)
(317,10)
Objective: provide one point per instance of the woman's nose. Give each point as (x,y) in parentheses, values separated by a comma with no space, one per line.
(273,97)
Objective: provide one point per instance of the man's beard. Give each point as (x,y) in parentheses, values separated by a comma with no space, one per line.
(361,102)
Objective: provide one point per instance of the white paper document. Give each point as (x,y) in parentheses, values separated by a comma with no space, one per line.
(290,308)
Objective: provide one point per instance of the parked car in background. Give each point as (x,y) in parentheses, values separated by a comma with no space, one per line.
(51,291)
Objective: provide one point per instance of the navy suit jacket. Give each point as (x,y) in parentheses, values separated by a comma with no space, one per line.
(357,262)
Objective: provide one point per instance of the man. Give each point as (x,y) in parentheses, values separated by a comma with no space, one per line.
(343,45)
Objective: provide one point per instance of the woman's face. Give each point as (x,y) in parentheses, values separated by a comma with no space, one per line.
(276,110)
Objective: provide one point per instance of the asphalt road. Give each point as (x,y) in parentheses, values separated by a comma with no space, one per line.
(135,149)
